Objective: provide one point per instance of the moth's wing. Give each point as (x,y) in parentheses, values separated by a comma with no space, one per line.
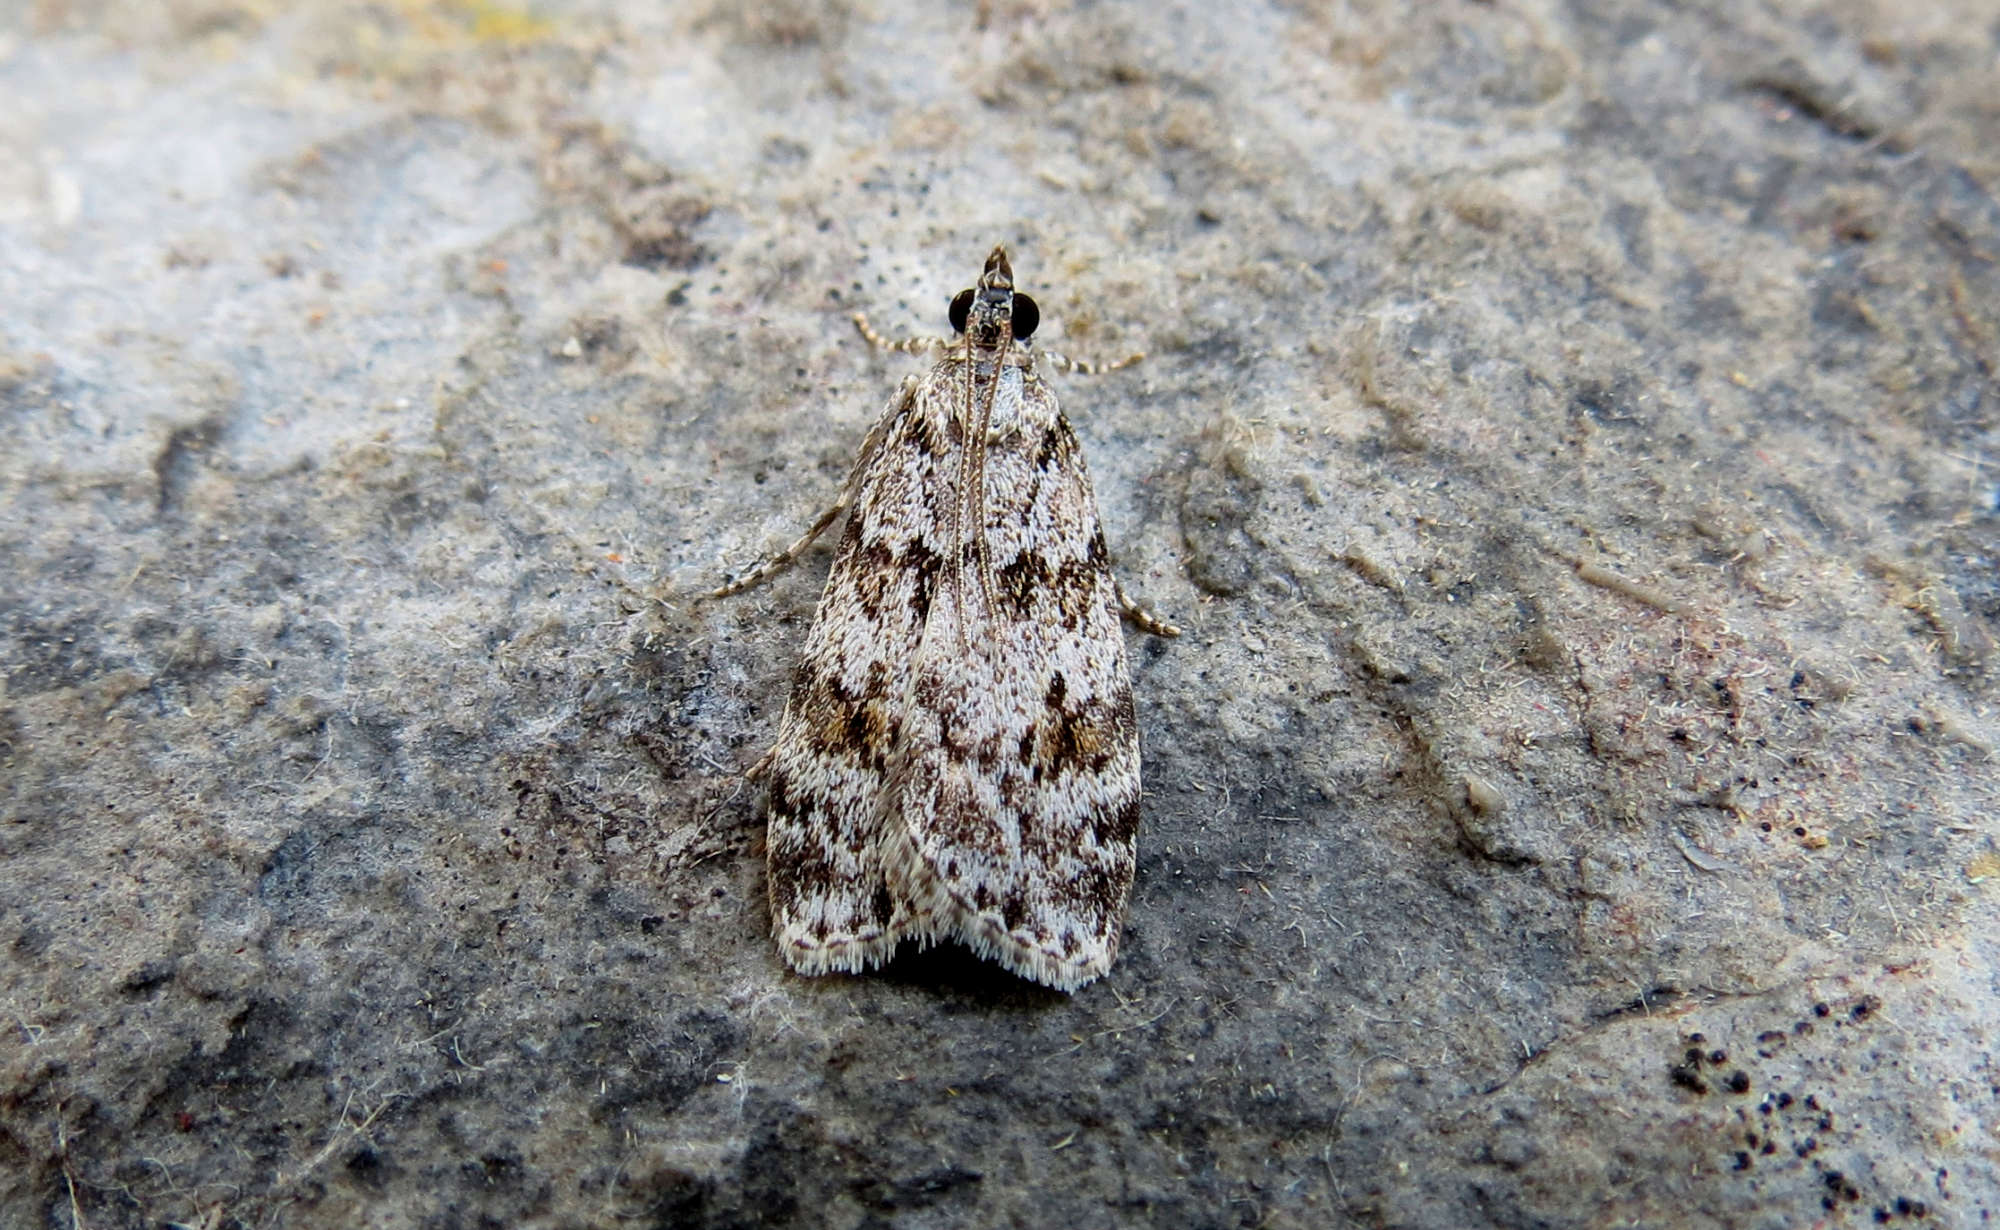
(1019,785)
(831,908)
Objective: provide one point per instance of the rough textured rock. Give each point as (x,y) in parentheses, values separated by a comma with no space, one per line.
(1568,438)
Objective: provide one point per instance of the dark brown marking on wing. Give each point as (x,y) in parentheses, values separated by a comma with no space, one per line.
(802,866)
(885,574)
(1117,826)
(1020,582)
(929,436)
(1054,450)
(1096,555)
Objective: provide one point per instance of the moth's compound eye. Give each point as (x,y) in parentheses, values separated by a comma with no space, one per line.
(1026,317)
(961,306)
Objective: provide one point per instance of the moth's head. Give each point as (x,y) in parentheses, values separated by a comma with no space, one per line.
(991,312)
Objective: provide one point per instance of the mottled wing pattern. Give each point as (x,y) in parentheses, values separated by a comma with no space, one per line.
(830,905)
(959,757)
(1017,783)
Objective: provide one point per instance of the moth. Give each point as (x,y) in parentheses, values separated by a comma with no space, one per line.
(959,755)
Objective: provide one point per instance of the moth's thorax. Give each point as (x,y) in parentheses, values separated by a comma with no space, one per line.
(1017,356)
(1020,399)
(1012,407)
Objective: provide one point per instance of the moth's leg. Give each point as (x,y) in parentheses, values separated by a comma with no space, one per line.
(869,447)
(911,345)
(1063,363)
(1145,619)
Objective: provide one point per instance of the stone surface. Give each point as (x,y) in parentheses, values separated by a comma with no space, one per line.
(1567,437)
